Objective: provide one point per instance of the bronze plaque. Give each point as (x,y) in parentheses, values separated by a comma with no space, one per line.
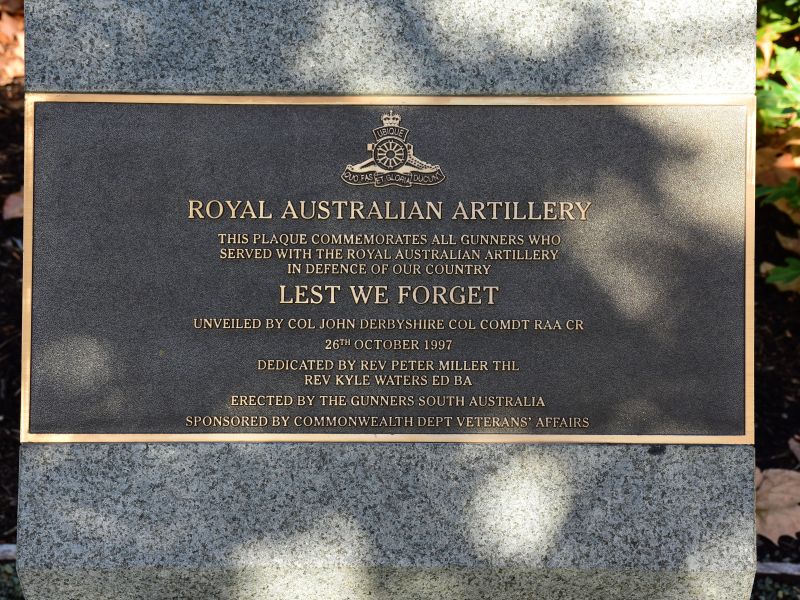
(494,269)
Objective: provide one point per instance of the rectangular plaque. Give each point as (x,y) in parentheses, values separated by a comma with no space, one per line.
(497,269)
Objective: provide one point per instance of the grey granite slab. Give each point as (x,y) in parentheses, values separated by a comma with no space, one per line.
(385,521)
(422,521)
(391,46)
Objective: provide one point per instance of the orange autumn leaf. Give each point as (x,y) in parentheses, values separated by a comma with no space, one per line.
(15,7)
(12,47)
(788,162)
(778,160)
(765,166)
(774,166)
(777,503)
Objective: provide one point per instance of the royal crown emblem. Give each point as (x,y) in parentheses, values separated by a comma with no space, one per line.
(392,160)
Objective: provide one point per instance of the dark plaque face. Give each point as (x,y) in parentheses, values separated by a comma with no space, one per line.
(431,269)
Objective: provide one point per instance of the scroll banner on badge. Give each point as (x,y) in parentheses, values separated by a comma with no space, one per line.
(392,178)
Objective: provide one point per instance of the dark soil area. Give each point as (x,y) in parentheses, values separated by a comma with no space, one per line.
(11,163)
(777,354)
(777,351)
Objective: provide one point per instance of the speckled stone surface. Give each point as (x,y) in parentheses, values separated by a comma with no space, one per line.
(385,521)
(392,46)
(388,522)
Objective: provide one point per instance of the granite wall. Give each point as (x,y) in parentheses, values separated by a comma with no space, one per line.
(387,521)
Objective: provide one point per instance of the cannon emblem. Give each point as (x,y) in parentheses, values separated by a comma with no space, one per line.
(391,160)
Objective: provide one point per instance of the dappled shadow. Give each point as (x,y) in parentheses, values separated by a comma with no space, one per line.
(384,521)
(434,521)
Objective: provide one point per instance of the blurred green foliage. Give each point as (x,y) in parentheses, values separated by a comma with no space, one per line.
(790,191)
(778,66)
(778,95)
(786,273)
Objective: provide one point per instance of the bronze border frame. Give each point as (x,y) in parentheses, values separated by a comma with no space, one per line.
(746,101)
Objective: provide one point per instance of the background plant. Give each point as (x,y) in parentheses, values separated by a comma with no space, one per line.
(778,154)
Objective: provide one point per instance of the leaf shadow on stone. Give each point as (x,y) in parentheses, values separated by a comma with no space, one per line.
(382,520)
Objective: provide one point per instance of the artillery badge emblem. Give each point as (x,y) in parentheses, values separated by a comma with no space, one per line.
(392,160)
